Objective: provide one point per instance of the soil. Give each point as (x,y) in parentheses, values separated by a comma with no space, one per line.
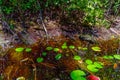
(54,29)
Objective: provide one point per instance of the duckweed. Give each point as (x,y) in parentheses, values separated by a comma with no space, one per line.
(96,48)
(49,48)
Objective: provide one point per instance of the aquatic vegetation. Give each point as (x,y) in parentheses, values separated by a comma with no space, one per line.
(20,78)
(108,57)
(49,48)
(93,66)
(77,57)
(72,47)
(64,46)
(56,49)
(39,59)
(116,56)
(78,75)
(88,61)
(28,50)
(44,53)
(58,56)
(19,49)
(96,48)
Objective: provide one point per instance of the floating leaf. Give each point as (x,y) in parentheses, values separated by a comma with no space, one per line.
(72,47)
(108,57)
(56,49)
(76,57)
(28,49)
(98,64)
(20,78)
(58,56)
(96,49)
(49,48)
(85,49)
(65,44)
(40,59)
(117,56)
(79,48)
(88,61)
(19,49)
(92,68)
(77,74)
(44,53)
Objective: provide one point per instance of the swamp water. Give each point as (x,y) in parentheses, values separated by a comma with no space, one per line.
(62,59)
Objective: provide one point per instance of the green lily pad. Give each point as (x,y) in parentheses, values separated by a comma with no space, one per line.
(98,65)
(64,47)
(88,61)
(117,56)
(79,47)
(76,57)
(80,78)
(44,53)
(49,48)
(92,68)
(58,56)
(56,49)
(85,49)
(108,57)
(19,49)
(40,59)
(28,49)
(72,47)
(96,49)
(77,74)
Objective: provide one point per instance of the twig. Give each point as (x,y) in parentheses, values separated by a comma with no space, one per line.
(41,19)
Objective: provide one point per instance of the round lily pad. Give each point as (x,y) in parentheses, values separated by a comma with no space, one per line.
(98,65)
(21,78)
(72,47)
(77,74)
(19,49)
(117,56)
(80,78)
(44,53)
(40,59)
(49,48)
(108,57)
(58,56)
(85,49)
(96,49)
(92,68)
(64,47)
(88,61)
(56,49)
(76,57)
(28,49)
